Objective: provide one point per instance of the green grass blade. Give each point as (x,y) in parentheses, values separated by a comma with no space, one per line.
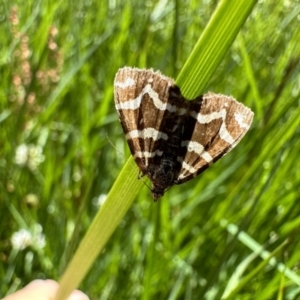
(216,39)
(236,284)
(109,216)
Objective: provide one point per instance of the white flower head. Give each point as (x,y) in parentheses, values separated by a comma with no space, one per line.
(24,238)
(21,239)
(39,240)
(29,155)
(99,201)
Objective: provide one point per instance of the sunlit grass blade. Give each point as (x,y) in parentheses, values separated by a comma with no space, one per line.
(109,216)
(235,284)
(218,36)
(251,79)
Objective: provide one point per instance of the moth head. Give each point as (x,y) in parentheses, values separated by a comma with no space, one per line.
(162,178)
(157,193)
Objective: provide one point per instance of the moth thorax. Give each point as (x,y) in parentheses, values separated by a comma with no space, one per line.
(162,178)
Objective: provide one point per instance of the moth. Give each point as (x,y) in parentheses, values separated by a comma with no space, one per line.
(173,140)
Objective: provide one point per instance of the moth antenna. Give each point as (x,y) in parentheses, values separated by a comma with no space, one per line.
(112,144)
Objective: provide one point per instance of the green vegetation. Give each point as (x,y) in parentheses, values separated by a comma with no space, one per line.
(232,232)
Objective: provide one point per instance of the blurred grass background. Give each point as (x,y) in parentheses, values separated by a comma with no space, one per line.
(57,118)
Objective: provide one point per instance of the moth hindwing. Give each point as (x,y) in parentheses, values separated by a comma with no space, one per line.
(172,139)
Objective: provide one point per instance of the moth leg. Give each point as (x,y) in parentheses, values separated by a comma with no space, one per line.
(141,175)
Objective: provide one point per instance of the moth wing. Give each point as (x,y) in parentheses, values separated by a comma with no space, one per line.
(141,99)
(220,124)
